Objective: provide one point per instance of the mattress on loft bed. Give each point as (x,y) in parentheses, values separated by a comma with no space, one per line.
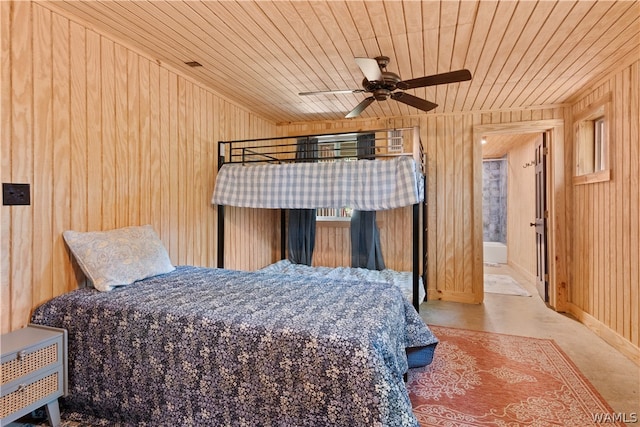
(401,279)
(363,185)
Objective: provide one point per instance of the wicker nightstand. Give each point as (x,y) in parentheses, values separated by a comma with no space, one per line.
(33,372)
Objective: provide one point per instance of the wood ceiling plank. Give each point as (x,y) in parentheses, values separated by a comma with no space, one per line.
(537,36)
(339,50)
(490,53)
(377,13)
(415,44)
(447,35)
(398,50)
(610,32)
(524,34)
(200,33)
(282,56)
(505,49)
(464,32)
(625,42)
(401,47)
(341,77)
(305,38)
(497,146)
(431,14)
(323,52)
(457,91)
(343,20)
(481,28)
(431,30)
(361,20)
(279,67)
(538,81)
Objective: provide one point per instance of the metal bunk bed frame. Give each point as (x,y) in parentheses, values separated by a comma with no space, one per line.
(244,152)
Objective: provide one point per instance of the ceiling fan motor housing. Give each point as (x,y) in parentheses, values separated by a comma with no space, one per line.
(382,89)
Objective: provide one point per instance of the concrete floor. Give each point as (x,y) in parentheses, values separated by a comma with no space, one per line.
(614,375)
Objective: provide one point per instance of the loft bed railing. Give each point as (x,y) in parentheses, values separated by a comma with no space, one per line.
(388,143)
(385,145)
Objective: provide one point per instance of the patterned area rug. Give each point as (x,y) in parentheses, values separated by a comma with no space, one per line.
(503,284)
(488,379)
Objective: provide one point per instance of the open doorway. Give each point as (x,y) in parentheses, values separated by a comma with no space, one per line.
(515,144)
(509,193)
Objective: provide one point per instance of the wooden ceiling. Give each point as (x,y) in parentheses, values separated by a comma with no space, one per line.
(261,54)
(497,146)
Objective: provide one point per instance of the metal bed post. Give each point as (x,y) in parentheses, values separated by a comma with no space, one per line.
(283,234)
(220,212)
(416,256)
(425,230)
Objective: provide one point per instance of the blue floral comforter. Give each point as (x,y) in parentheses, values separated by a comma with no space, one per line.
(215,347)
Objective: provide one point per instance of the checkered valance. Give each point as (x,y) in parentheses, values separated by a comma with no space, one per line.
(362,185)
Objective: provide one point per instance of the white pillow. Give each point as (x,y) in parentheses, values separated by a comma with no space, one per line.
(119,257)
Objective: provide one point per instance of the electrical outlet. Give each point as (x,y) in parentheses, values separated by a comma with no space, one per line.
(15,194)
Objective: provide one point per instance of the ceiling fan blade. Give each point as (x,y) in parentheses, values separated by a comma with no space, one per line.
(360,108)
(370,69)
(436,79)
(414,101)
(331,92)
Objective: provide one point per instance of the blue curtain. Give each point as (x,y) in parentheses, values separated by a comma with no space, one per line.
(365,236)
(302,222)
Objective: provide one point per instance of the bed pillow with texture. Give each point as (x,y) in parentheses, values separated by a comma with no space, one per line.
(119,257)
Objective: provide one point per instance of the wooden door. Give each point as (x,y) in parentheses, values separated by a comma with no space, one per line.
(541,217)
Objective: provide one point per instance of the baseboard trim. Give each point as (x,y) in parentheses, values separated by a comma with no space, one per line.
(616,340)
(463,297)
(531,277)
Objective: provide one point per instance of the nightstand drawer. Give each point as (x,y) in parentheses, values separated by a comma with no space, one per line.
(37,391)
(33,372)
(25,362)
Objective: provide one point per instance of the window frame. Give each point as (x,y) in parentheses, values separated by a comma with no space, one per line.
(588,149)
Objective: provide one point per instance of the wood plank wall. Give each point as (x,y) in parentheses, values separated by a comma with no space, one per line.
(606,227)
(333,240)
(106,137)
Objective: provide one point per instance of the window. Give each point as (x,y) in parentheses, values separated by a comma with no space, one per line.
(344,149)
(395,141)
(591,152)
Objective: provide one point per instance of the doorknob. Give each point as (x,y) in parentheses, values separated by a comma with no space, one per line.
(532,224)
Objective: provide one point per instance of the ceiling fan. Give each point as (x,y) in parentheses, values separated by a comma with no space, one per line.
(383,84)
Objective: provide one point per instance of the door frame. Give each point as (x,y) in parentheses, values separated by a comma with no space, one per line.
(557,233)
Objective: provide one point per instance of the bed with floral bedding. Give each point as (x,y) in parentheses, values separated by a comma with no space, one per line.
(208,347)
